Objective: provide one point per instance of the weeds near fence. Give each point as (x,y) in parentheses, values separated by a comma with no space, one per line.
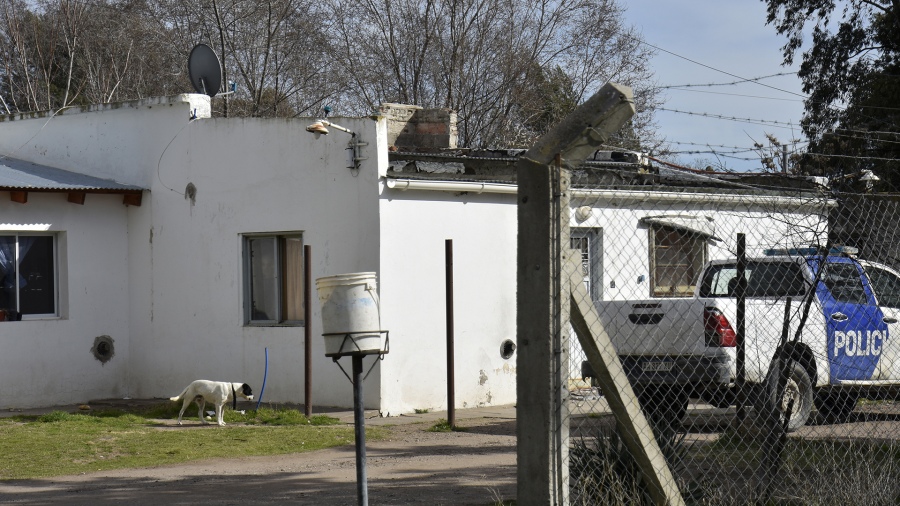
(603,471)
(814,472)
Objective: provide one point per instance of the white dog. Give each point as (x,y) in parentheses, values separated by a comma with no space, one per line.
(216,392)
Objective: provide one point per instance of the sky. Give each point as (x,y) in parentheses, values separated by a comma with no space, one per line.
(712,41)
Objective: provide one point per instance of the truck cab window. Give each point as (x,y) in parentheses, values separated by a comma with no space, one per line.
(886,286)
(843,281)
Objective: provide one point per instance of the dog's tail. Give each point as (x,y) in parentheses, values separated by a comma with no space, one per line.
(180,396)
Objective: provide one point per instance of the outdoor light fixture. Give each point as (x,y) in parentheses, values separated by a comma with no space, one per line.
(320,127)
(317,128)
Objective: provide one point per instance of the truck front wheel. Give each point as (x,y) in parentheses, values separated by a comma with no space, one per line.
(798,394)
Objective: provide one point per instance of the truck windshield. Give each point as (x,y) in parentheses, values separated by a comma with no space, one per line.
(764,279)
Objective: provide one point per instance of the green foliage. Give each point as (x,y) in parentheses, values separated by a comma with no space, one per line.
(849,73)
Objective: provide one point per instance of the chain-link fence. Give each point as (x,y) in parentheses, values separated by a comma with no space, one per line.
(757,321)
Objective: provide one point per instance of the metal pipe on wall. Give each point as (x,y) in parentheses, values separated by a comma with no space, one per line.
(307,337)
(451,376)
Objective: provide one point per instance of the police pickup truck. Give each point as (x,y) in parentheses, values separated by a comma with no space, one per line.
(846,348)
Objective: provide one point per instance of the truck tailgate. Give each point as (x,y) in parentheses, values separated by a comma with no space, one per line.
(655,326)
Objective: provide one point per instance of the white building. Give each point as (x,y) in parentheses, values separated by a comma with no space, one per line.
(145,226)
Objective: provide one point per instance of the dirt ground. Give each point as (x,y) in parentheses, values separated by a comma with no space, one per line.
(412,466)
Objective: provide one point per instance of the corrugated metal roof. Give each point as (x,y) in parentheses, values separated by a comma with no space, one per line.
(27,176)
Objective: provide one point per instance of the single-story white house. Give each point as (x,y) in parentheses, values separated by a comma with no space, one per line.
(146,244)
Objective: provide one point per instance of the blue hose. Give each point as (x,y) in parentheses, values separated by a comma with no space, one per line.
(265,376)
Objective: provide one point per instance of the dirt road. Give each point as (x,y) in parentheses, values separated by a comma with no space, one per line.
(414,466)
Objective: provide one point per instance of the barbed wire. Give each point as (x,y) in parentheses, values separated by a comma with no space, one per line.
(732,83)
(774,123)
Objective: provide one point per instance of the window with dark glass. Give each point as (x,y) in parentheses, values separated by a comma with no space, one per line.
(844,283)
(886,285)
(28,274)
(273,273)
(764,280)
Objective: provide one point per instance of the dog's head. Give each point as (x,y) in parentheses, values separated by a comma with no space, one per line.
(246,392)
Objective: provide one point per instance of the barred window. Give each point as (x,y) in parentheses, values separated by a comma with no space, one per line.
(588,242)
(676,257)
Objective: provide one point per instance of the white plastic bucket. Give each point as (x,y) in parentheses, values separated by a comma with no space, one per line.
(351,323)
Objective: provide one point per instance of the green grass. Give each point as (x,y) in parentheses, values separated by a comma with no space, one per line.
(62,443)
(443,425)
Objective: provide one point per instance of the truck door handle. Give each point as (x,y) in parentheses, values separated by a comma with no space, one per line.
(646,318)
(889,319)
(838,317)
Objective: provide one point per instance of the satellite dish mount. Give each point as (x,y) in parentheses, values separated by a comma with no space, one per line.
(205,70)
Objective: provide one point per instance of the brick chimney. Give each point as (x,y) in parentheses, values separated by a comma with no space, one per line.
(413,128)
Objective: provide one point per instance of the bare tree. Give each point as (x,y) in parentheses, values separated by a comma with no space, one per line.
(510,68)
(272,50)
(493,61)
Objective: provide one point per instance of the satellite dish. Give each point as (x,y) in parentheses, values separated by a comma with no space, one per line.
(205,70)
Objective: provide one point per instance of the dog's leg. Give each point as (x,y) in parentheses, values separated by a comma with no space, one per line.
(201,405)
(184,406)
(220,408)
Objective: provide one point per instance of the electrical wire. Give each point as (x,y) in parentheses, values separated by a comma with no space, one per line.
(738,95)
(158,162)
(732,83)
(774,123)
(53,115)
(695,62)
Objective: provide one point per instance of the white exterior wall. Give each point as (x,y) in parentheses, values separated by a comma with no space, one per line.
(626,242)
(165,279)
(415,227)
(49,361)
(120,141)
(252,176)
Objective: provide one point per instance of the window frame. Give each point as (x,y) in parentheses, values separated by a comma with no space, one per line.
(281,295)
(882,279)
(594,277)
(700,239)
(54,237)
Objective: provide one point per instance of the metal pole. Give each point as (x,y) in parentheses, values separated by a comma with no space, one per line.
(739,337)
(307,343)
(784,158)
(451,376)
(359,422)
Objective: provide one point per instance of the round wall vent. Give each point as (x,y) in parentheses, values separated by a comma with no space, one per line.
(507,349)
(103,349)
